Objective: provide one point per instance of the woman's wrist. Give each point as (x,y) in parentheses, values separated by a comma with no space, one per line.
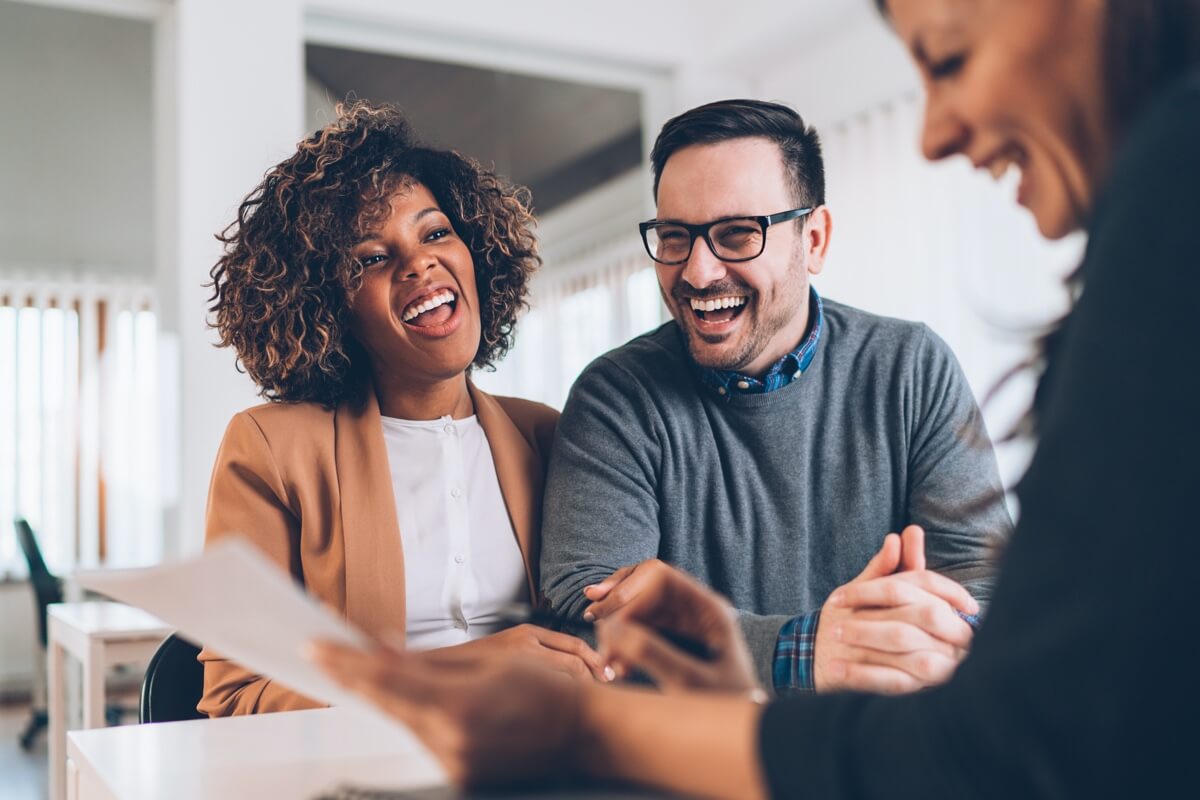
(589,754)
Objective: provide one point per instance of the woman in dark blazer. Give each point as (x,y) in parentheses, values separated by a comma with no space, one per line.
(1080,681)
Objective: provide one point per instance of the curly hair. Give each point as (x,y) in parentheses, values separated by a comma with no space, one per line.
(282,289)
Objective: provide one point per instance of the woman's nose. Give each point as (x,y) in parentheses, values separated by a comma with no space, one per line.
(944,132)
(417,265)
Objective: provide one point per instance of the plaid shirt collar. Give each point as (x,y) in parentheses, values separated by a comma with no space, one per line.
(787,369)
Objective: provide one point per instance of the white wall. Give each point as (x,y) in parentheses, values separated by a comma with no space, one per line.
(229,103)
(76,192)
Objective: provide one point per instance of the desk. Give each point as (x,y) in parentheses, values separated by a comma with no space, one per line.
(294,754)
(100,635)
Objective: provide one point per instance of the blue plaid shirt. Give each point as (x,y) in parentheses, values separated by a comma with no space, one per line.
(782,372)
(793,665)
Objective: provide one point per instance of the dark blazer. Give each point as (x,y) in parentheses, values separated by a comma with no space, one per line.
(1081,682)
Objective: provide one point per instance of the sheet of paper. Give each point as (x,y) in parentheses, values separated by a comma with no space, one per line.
(231,598)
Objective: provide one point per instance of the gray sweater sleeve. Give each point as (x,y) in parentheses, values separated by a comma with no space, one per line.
(601,503)
(954,489)
(602,497)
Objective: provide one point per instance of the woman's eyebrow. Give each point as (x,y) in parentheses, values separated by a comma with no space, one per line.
(371,236)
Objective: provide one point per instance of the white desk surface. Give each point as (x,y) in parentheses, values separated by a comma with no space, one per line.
(112,620)
(296,754)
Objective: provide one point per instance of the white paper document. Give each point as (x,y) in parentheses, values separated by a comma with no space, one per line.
(234,600)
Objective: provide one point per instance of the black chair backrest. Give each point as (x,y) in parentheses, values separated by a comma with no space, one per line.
(173,684)
(46,587)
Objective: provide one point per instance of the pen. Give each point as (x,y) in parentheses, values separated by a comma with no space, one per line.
(518,613)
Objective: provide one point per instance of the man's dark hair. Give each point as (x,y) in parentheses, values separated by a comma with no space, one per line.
(740,119)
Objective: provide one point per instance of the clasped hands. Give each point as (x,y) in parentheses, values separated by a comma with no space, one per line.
(894,628)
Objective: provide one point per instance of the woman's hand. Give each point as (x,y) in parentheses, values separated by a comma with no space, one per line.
(666,599)
(559,651)
(489,718)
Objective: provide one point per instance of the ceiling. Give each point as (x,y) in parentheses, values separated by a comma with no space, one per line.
(556,137)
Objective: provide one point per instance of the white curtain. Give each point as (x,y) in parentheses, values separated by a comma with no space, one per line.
(579,308)
(945,245)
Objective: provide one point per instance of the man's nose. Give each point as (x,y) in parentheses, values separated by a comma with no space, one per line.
(702,267)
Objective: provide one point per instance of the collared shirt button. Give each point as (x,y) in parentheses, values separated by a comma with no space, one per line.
(797,374)
(449,428)
(459,558)
(743,385)
(456,492)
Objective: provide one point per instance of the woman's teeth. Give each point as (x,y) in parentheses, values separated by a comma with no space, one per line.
(1000,165)
(417,309)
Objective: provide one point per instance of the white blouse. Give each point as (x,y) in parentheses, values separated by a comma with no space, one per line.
(462,564)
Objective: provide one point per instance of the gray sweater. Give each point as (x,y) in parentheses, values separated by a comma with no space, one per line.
(772,499)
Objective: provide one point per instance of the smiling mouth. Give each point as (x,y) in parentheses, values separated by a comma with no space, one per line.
(1011,156)
(430,311)
(717,310)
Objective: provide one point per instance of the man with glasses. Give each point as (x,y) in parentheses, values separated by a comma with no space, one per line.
(768,439)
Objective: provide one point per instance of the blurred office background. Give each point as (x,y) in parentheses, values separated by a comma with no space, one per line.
(131,129)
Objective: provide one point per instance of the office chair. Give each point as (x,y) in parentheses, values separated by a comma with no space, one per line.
(47,589)
(173,684)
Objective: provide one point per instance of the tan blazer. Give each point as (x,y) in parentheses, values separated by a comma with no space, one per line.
(312,488)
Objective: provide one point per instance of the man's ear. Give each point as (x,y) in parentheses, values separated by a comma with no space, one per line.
(818,228)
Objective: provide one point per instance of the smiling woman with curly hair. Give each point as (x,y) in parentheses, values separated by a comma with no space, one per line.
(361,282)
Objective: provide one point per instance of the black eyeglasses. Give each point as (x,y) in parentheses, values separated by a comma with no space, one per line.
(730,239)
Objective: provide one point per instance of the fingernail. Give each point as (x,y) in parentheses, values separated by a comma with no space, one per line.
(836,598)
(610,674)
(589,616)
(310,651)
(837,633)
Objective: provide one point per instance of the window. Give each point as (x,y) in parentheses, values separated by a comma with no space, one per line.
(78,415)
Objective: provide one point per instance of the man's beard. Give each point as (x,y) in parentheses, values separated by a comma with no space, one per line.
(764,318)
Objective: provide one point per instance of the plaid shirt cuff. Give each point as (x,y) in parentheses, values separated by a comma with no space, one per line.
(793,665)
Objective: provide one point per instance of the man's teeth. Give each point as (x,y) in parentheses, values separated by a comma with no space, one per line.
(717,303)
(416,310)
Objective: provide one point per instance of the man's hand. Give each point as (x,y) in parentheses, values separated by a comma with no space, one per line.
(666,599)
(892,632)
